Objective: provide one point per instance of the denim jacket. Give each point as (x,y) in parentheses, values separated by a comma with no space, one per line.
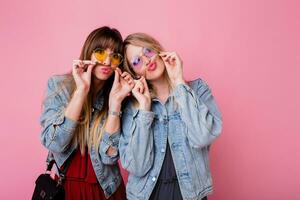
(58,130)
(190,121)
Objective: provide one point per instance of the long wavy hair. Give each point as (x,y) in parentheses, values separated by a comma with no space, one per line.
(104,37)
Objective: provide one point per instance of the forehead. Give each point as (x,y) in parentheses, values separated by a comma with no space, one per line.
(108,50)
(133,51)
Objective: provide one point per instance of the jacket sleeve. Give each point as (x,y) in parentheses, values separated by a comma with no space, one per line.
(57,130)
(109,140)
(199,112)
(136,142)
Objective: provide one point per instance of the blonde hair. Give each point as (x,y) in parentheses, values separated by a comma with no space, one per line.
(143,40)
(84,134)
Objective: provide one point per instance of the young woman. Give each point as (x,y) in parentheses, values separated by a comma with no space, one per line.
(167,128)
(80,120)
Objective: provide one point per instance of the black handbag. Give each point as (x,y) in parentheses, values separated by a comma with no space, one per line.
(46,188)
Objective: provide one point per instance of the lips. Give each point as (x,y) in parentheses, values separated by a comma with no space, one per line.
(105,70)
(151,66)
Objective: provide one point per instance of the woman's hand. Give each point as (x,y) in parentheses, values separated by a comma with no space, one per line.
(142,94)
(82,71)
(122,86)
(173,65)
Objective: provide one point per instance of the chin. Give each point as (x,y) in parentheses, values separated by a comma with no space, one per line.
(102,77)
(157,74)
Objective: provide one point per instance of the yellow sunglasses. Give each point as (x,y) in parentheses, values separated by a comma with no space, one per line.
(101,55)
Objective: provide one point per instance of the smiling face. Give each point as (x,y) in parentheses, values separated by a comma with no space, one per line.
(145,62)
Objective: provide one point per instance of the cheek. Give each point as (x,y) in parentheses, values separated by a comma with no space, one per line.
(93,58)
(160,64)
(137,71)
(114,67)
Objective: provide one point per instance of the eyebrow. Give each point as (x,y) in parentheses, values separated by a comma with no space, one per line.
(139,54)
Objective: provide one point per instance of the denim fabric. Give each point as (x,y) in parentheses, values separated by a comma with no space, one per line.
(190,120)
(58,130)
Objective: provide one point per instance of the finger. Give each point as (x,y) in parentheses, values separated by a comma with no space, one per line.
(76,69)
(141,89)
(164,53)
(88,62)
(77,63)
(138,86)
(136,92)
(137,77)
(119,70)
(74,65)
(170,59)
(165,60)
(90,68)
(145,84)
(127,78)
(168,56)
(130,82)
(131,85)
(124,74)
(142,85)
(80,63)
(117,77)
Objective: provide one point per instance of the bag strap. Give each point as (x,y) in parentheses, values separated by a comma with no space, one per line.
(51,161)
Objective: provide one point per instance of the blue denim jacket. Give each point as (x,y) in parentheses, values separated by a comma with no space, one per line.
(58,130)
(190,121)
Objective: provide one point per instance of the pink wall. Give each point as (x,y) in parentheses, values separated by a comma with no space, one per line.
(248,52)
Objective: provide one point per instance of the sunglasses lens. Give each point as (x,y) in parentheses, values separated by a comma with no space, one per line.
(148,52)
(137,63)
(116,59)
(100,55)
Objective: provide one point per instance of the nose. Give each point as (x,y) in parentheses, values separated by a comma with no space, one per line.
(146,60)
(107,60)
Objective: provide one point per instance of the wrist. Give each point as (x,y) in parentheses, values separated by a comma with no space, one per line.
(114,106)
(115,113)
(80,93)
(145,107)
(83,89)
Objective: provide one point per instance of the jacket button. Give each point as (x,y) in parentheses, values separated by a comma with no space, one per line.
(162,150)
(154,179)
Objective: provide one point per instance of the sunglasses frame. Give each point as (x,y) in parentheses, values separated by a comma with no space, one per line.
(143,54)
(110,55)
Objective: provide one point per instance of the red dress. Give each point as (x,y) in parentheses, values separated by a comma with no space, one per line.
(81,181)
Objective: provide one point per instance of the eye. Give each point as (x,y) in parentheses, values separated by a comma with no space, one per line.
(148,52)
(100,54)
(136,61)
(115,56)
(100,51)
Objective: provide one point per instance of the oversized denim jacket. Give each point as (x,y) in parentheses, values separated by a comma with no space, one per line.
(58,130)
(190,121)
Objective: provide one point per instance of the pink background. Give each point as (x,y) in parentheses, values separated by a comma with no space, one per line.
(248,52)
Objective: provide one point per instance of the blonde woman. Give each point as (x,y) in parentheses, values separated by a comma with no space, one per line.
(167,127)
(81,118)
